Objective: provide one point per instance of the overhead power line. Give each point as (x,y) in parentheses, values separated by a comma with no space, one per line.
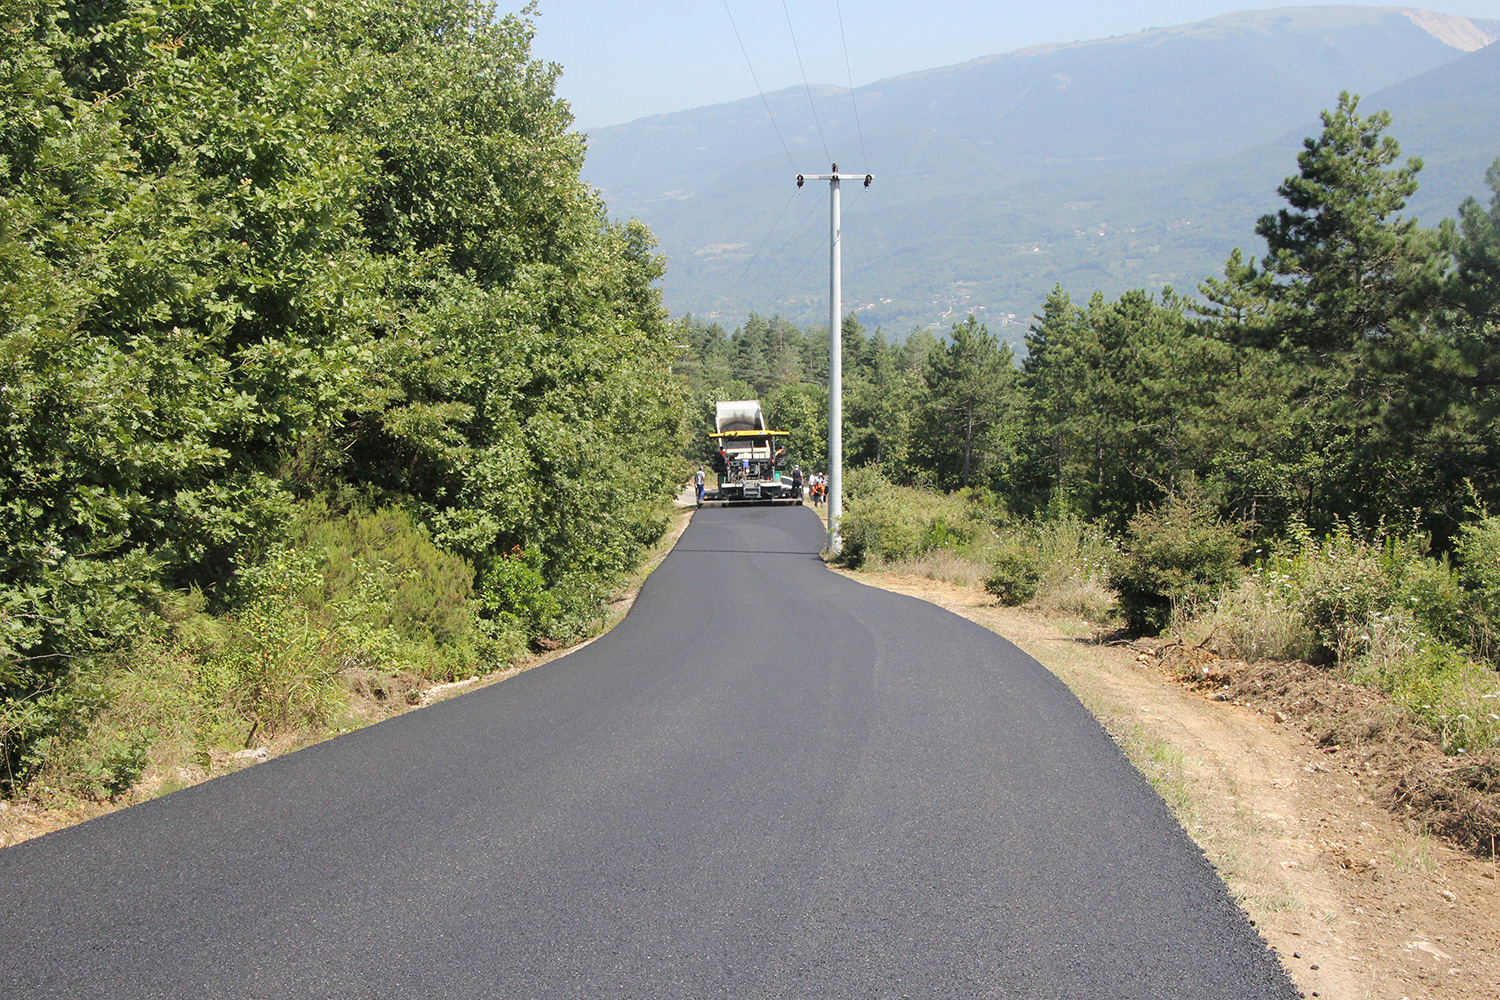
(797,272)
(847,69)
(786,149)
(772,232)
(787,245)
(805,85)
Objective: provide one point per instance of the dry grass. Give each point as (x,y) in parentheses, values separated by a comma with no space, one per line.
(1088,597)
(941,564)
(1252,623)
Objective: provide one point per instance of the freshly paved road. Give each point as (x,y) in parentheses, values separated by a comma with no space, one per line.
(768,781)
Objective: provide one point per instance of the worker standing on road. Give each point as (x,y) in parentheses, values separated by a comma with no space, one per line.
(797,481)
(698,482)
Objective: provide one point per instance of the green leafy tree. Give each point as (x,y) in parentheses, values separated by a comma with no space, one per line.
(1356,312)
(251,253)
(880,402)
(1476,277)
(1122,401)
(1461,370)
(1178,556)
(970,402)
(801,409)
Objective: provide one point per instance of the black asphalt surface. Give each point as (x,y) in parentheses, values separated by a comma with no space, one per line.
(768,781)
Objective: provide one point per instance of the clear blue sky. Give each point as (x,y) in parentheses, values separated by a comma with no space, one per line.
(625,59)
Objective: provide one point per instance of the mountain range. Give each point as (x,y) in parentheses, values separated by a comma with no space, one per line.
(1135,161)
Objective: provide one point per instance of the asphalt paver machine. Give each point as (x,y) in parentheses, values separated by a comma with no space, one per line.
(749,458)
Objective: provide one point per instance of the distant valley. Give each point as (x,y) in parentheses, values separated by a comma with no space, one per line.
(1137,161)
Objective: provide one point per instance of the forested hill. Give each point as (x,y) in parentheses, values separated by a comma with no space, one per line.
(1129,162)
(313,345)
(1341,375)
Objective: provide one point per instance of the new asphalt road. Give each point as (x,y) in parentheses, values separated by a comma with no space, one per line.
(768,781)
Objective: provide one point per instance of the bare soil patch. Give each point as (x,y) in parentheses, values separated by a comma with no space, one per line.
(1287,780)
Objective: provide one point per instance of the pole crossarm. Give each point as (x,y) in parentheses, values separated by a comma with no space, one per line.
(867,179)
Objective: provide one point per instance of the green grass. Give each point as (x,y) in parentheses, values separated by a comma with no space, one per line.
(1163,765)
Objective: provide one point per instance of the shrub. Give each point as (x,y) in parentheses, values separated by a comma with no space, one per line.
(1442,690)
(1343,585)
(1338,583)
(886,523)
(1430,590)
(940,533)
(1015,573)
(279,660)
(1477,552)
(1178,558)
(516,595)
(366,590)
(880,527)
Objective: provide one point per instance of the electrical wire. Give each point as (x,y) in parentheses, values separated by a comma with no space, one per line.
(771,261)
(771,232)
(821,245)
(785,148)
(735,287)
(818,247)
(779,253)
(853,103)
(806,86)
(788,242)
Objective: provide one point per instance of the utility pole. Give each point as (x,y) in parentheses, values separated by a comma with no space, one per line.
(835,354)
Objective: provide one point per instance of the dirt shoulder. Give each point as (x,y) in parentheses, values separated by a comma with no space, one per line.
(1357,904)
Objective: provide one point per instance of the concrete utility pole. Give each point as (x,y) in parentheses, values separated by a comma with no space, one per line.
(835,354)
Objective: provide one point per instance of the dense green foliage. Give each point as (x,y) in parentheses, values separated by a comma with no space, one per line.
(1349,375)
(260,255)
(1177,559)
(1015,573)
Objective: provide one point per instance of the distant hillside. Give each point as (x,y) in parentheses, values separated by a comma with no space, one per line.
(1131,161)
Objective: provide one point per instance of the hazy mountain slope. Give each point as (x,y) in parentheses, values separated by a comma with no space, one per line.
(1111,163)
(1175,225)
(1450,117)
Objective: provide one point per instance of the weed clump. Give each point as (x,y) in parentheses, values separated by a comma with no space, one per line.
(1076,559)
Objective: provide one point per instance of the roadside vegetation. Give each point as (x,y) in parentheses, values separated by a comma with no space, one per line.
(1297,466)
(323,377)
